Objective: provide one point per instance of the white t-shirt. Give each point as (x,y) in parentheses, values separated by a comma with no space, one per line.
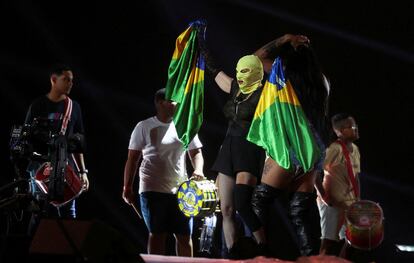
(163,165)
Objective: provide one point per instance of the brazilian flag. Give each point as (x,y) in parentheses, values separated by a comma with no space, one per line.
(185,83)
(280,125)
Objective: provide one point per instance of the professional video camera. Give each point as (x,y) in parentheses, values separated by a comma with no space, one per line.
(40,142)
(29,139)
(35,141)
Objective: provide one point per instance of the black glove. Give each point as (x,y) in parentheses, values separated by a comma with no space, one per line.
(209,61)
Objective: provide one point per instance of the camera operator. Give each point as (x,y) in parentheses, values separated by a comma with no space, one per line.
(65,118)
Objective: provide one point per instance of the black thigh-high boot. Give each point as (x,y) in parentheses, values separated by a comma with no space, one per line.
(243,197)
(300,208)
(263,196)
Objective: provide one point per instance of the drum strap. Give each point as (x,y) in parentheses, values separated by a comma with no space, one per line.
(66,117)
(351,175)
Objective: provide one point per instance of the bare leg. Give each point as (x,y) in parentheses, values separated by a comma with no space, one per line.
(225,191)
(246,178)
(156,243)
(275,176)
(306,183)
(274,180)
(183,245)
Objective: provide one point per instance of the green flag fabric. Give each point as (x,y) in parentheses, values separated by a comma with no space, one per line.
(280,125)
(185,83)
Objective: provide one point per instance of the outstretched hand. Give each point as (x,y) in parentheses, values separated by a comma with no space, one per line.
(268,52)
(299,40)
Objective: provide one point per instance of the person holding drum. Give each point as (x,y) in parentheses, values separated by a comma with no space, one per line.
(239,162)
(162,170)
(340,183)
(56,107)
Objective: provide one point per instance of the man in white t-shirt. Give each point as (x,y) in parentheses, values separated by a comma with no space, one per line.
(162,169)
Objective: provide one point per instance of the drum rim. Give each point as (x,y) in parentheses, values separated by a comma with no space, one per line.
(380,225)
(200,211)
(365,201)
(364,248)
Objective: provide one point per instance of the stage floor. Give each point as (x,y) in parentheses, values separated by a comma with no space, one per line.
(174,259)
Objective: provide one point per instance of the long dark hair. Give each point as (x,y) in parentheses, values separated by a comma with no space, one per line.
(304,72)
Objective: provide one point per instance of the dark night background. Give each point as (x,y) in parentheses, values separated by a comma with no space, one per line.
(120,52)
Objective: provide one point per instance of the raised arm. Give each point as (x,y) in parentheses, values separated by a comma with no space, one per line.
(221,78)
(267,52)
(223,81)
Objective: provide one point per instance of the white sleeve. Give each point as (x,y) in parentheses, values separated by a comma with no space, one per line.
(137,140)
(195,143)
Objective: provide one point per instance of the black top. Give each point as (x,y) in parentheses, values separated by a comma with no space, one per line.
(239,110)
(51,114)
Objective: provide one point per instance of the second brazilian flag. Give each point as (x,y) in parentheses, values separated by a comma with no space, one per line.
(185,84)
(280,125)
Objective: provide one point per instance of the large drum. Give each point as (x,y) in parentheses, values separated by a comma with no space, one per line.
(364,225)
(197,198)
(73,186)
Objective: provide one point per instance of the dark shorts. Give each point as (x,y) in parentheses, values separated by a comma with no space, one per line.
(239,155)
(162,215)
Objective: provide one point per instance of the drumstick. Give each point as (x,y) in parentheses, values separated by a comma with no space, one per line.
(136,209)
